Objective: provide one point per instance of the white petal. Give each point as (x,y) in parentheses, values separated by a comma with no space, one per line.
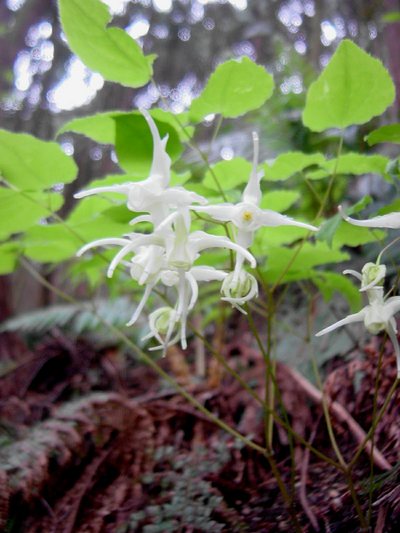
(101,242)
(122,189)
(391,220)
(252,191)
(142,303)
(118,258)
(395,342)
(357,317)
(237,306)
(141,218)
(267,217)
(222,212)
(353,273)
(203,273)
(168,342)
(167,222)
(212,241)
(244,238)
(195,290)
(179,196)
(161,161)
(393,324)
(392,306)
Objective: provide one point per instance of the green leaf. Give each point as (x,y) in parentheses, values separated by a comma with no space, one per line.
(393,170)
(91,207)
(19,211)
(109,51)
(289,163)
(92,269)
(99,127)
(8,257)
(390,208)
(101,224)
(353,88)
(50,244)
(350,235)
(31,164)
(330,282)
(234,88)
(359,206)
(229,174)
(391,16)
(283,260)
(134,143)
(180,179)
(358,164)
(179,122)
(329,228)
(354,164)
(267,239)
(57,242)
(385,134)
(279,200)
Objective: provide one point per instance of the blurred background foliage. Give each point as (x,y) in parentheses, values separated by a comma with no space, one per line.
(43,86)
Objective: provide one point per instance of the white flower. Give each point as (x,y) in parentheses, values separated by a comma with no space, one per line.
(152,195)
(377,316)
(168,324)
(391,220)
(247,216)
(183,248)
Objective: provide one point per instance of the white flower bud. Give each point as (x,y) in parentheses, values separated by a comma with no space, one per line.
(372,275)
(160,320)
(238,288)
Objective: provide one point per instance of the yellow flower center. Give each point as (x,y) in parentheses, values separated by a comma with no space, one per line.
(247,216)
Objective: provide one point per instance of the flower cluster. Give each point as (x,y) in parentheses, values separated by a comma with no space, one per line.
(378,315)
(168,254)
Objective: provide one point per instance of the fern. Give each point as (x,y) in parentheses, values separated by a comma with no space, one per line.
(77,319)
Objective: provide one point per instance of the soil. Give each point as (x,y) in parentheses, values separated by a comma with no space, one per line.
(93,441)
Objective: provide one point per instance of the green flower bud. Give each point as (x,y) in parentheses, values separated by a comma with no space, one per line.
(372,275)
(160,320)
(239,287)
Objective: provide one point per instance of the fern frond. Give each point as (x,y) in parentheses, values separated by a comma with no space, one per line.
(77,319)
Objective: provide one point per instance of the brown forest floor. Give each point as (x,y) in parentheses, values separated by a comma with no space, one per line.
(91,441)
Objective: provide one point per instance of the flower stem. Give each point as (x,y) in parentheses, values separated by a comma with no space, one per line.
(320,211)
(374,410)
(375,423)
(189,397)
(149,361)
